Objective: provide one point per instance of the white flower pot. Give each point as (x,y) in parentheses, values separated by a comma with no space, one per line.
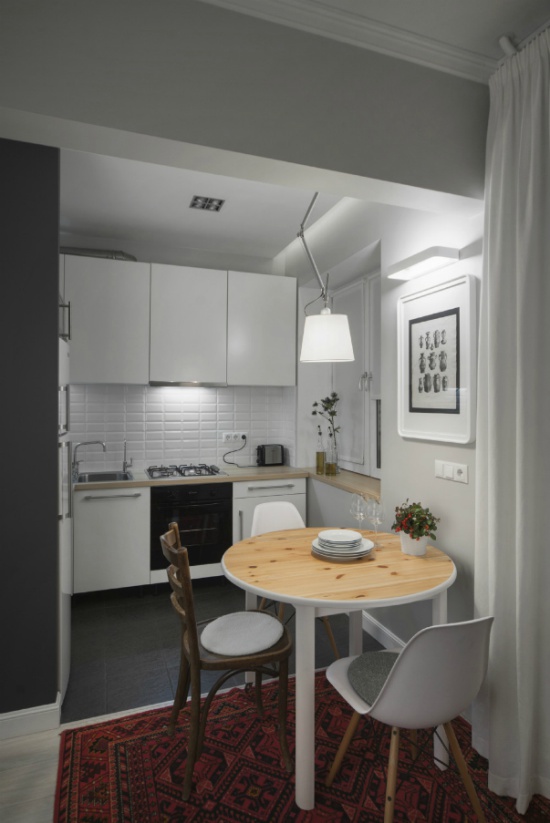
(410,545)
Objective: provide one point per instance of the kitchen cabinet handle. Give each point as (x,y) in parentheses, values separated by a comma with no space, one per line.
(69,448)
(364,381)
(277,486)
(241,530)
(67,410)
(111,496)
(63,426)
(66,335)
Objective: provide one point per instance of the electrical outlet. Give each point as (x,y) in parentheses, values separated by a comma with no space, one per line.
(451,471)
(241,436)
(227,437)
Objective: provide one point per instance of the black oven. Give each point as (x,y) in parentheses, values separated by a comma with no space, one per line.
(203,512)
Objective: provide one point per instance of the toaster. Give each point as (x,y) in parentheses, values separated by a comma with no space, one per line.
(270,455)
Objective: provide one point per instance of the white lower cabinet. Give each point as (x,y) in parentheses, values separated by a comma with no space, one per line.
(247,495)
(111,538)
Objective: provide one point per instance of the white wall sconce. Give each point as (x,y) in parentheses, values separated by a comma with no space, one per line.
(327,337)
(436,257)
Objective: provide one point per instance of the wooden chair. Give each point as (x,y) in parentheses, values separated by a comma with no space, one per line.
(275,516)
(239,642)
(429,683)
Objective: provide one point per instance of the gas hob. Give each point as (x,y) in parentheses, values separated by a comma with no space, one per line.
(185,471)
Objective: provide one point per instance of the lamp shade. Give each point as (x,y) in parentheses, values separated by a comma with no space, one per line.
(326,339)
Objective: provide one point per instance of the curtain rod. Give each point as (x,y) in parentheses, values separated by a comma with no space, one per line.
(534,34)
(510,47)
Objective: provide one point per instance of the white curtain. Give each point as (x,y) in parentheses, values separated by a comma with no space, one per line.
(512,574)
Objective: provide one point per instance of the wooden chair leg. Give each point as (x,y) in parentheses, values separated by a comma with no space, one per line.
(258,693)
(331,639)
(344,745)
(283,696)
(463,769)
(262,605)
(281,612)
(182,692)
(413,747)
(392,775)
(194,734)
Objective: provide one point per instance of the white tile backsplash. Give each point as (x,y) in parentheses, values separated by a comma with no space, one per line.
(179,425)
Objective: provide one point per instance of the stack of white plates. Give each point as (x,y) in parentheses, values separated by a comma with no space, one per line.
(341,544)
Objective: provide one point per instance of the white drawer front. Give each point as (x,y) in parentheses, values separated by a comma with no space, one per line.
(269,488)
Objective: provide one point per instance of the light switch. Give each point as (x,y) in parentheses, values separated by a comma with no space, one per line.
(448,471)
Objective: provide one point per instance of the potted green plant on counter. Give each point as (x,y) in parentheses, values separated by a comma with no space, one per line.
(415,524)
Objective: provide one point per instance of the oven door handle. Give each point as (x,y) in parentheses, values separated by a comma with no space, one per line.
(203,504)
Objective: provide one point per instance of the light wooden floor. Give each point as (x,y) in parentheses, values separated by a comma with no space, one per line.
(28,772)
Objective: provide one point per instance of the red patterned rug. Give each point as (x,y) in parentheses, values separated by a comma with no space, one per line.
(128,769)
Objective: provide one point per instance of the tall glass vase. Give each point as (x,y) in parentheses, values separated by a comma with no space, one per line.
(331,460)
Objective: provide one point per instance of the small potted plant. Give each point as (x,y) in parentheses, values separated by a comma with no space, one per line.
(415,524)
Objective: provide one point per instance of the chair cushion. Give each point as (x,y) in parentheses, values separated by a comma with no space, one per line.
(241,633)
(368,673)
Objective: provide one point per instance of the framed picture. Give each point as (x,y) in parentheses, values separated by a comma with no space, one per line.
(436,331)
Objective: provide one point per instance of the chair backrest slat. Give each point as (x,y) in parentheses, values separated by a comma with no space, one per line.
(179,577)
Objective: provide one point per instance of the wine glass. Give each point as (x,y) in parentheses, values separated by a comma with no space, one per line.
(375,515)
(358,508)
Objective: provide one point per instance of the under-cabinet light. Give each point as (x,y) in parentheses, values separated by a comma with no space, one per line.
(436,257)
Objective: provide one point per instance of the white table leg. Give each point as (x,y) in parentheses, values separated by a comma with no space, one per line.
(356,631)
(304,755)
(250,603)
(439,615)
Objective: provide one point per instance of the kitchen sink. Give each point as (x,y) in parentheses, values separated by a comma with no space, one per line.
(103,477)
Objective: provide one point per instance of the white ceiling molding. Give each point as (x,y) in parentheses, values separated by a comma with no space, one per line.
(358,31)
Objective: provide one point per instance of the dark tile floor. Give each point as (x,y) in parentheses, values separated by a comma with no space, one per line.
(125,645)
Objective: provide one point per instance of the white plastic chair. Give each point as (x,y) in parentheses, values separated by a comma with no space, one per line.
(276,516)
(429,683)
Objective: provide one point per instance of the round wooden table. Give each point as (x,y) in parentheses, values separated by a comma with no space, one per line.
(280,566)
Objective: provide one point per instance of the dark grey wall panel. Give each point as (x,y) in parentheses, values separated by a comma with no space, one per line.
(29,253)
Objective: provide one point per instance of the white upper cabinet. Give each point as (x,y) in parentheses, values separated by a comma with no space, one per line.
(188,325)
(261,330)
(109,319)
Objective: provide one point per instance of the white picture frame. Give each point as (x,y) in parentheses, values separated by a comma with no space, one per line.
(437,354)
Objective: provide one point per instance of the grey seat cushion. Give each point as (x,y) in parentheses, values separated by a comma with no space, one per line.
(368,673)
(241,633)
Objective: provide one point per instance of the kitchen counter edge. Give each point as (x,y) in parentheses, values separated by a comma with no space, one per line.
(347,481)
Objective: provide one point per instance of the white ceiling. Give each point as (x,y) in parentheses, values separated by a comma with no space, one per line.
(459,36)
(122,201)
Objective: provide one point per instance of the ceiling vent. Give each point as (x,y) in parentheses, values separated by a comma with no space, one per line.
(206,203)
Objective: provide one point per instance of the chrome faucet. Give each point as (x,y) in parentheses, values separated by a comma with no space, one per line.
(86,443)
(126,463)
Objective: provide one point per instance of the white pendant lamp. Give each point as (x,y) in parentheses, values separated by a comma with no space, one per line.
(327,337)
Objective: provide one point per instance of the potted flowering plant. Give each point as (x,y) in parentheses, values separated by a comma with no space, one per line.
(415,524)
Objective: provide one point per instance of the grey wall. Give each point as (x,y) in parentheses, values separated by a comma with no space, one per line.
(408,468)
(192,72)
(29,201)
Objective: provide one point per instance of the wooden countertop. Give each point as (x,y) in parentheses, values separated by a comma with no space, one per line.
(281,565)
(345,480)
